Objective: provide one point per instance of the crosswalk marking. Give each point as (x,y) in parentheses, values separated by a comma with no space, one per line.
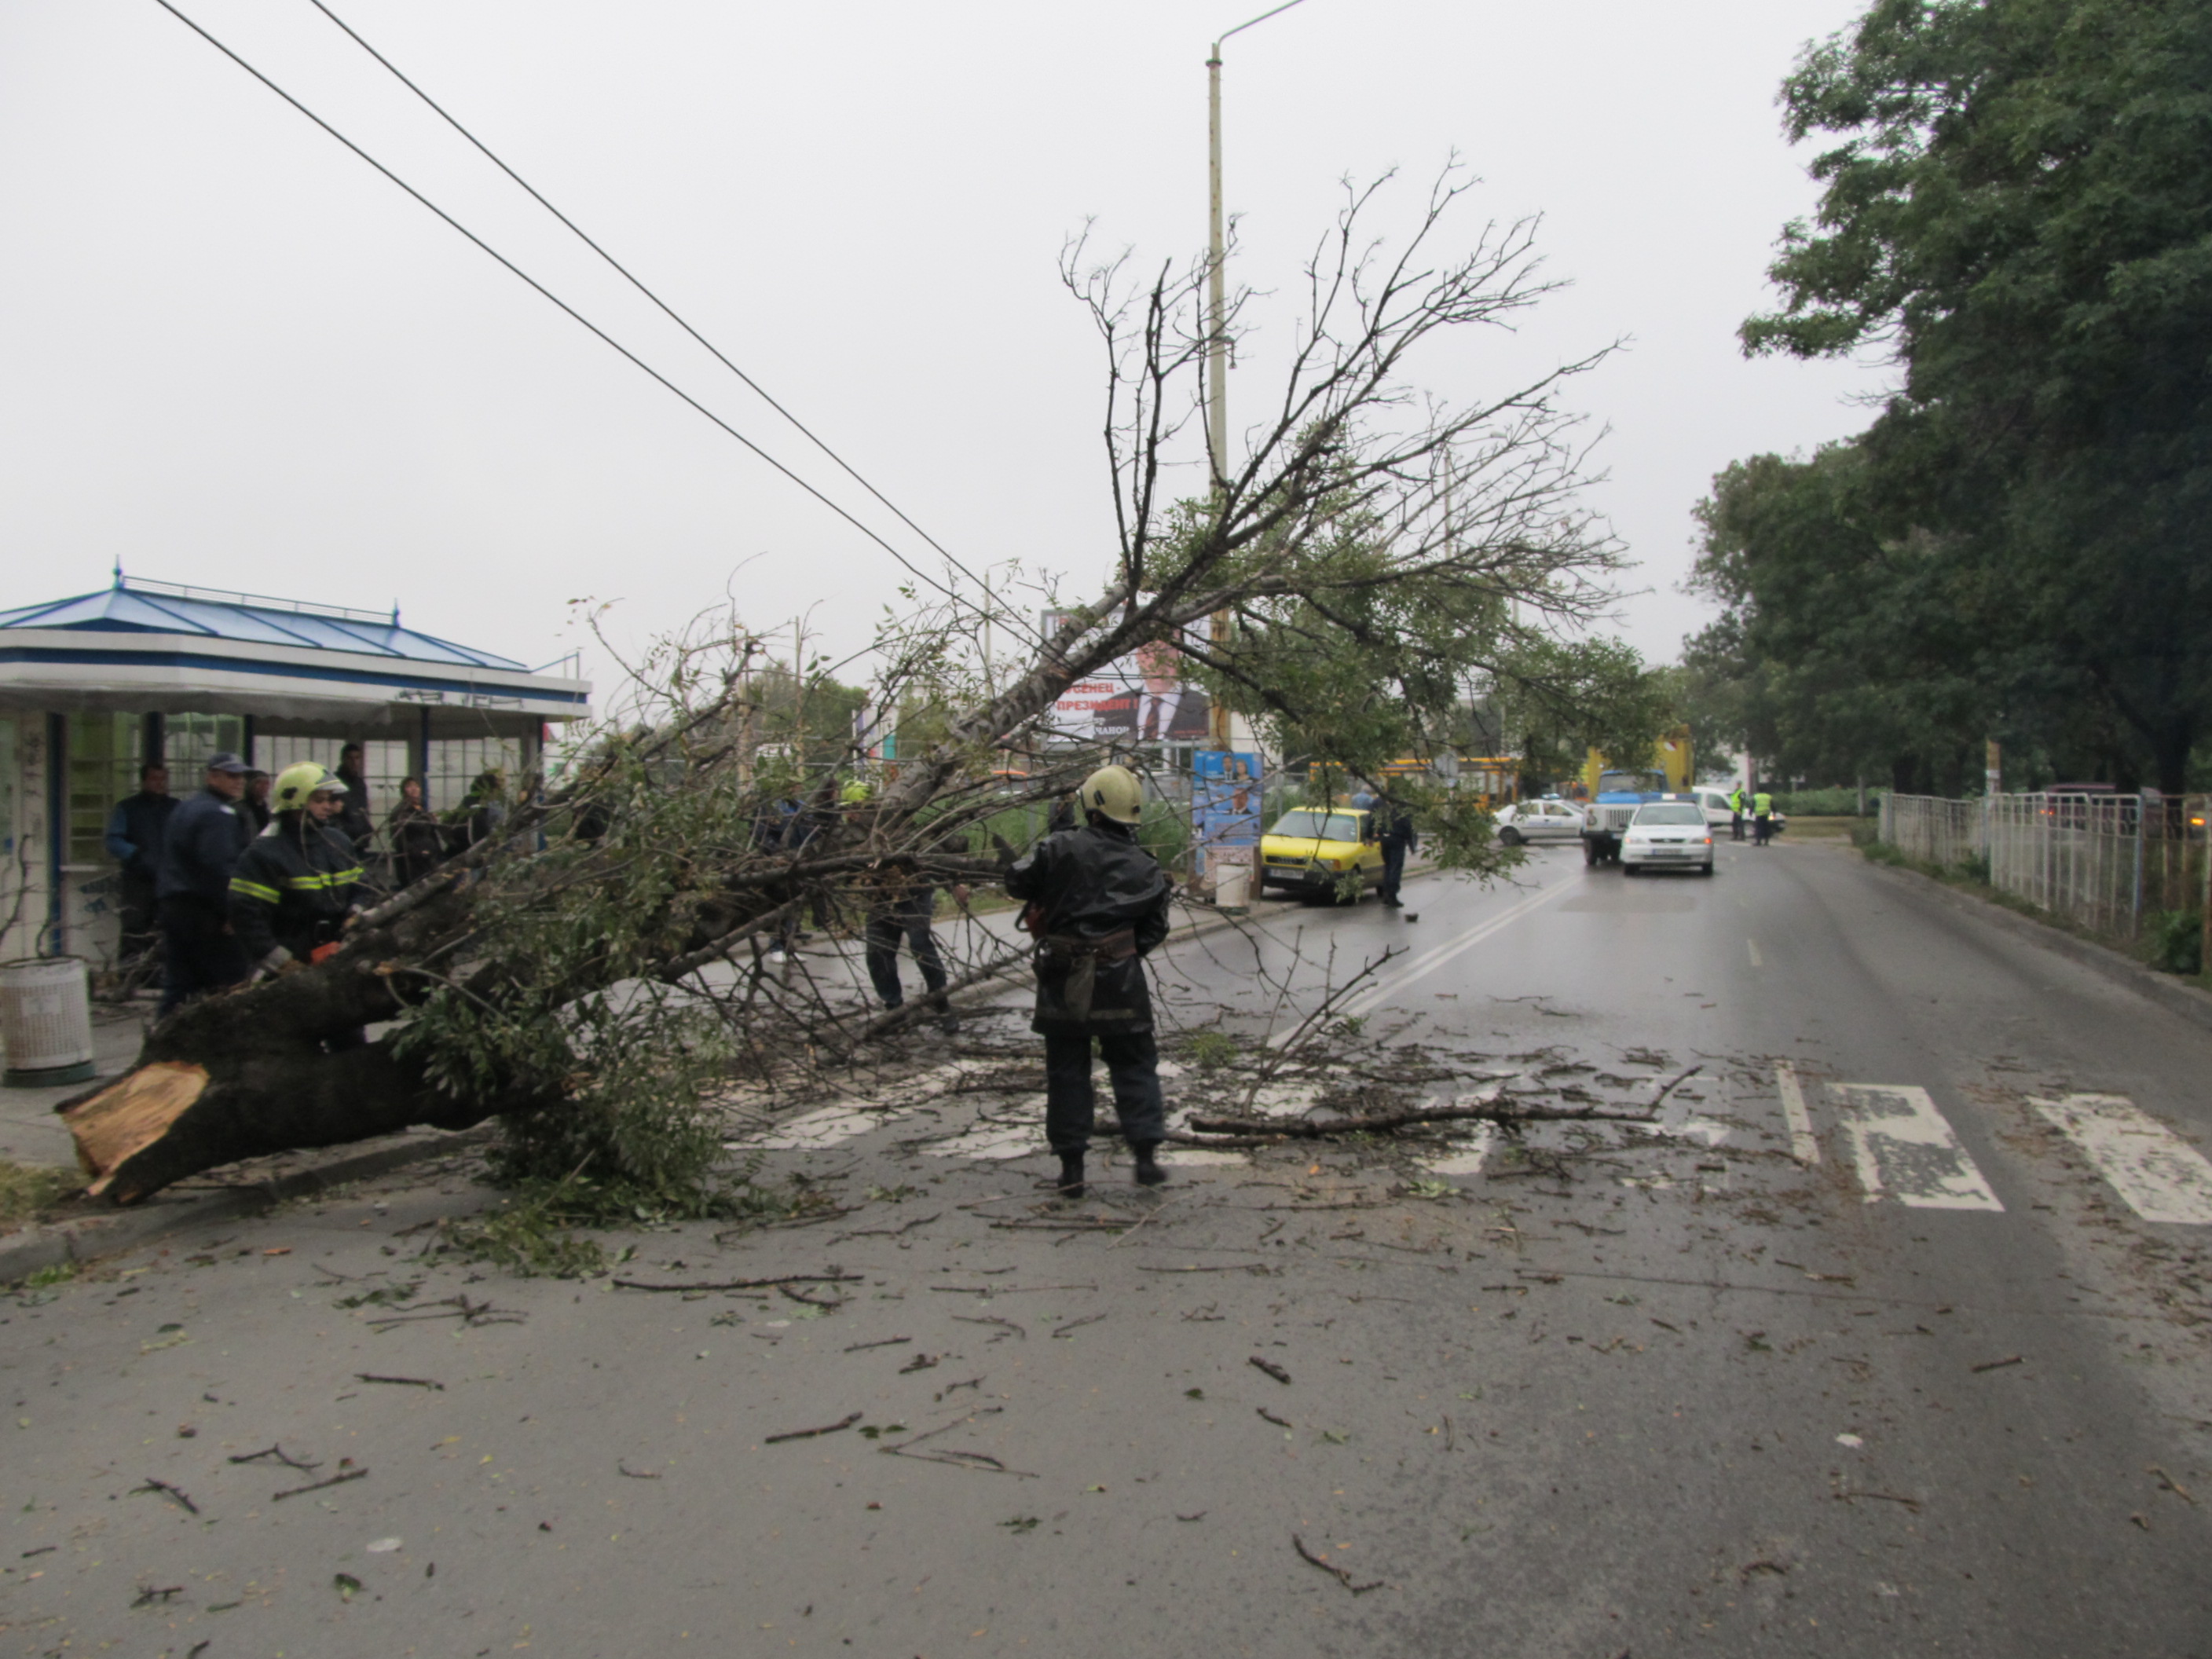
(813,1131)
(2161,1176)
(1905,1150)
(1803,1147)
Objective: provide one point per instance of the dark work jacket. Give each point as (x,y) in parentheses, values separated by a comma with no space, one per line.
(206,834)
(418,840)
(1098,904)
(1394,826)
(135,829)
(293,887)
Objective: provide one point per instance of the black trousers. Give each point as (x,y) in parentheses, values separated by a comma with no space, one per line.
(197,955)
(1735,826)
(1133,1063)
(1393,868)
(140,915)
(1762,830)
(908,920)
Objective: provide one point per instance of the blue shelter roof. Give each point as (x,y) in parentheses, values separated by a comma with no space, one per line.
(135,605)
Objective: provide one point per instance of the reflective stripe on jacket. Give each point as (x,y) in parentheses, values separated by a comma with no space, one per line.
(293,887)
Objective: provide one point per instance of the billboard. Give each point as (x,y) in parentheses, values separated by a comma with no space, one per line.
(1141,699)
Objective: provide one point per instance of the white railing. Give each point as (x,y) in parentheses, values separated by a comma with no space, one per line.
(2104,862)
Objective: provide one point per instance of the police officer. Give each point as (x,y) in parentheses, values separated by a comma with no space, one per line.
(1762,818)
(201,845)
(1735,813)
(135,829)
(295,887)
(1097,905)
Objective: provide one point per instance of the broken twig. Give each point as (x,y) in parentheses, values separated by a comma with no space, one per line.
(743,1283)
(809,1434)
(337,1479)
(1331,1569)
(154,1484)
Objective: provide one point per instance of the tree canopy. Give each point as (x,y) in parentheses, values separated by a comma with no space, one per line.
(2018,210)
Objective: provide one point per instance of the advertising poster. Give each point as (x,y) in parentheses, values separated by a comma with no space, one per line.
(1225,789)
(1141,699)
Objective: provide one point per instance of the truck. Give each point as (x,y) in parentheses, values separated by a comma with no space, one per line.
(1612,792)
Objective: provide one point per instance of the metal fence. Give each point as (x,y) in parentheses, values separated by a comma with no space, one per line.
(2104,862)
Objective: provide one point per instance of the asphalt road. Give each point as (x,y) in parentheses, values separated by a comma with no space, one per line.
(1859,1350)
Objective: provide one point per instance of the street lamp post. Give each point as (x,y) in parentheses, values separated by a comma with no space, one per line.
(1217,351)
(1217,321)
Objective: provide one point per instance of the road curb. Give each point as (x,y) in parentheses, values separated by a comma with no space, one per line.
(2168,992)
(81,1239)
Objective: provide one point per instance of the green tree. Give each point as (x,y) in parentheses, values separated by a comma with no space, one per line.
(2019,207)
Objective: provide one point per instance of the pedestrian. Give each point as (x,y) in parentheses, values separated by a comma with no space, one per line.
(418,840)
(1762,818)
(1395,829)
(353,820)
(903,907)
(135,831)
(256,800)
(482,810)
(1097,905)
(1062,816)
(295,887)
(200,849)
(1735,813)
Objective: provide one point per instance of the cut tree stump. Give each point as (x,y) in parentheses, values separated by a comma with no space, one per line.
(126,1117)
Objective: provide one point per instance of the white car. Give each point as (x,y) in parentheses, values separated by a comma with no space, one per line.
(1538,820)
(1668,835)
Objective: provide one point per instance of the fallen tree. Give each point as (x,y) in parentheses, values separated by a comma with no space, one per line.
(594,974)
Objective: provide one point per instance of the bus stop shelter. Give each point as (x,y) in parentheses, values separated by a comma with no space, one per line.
(94,686)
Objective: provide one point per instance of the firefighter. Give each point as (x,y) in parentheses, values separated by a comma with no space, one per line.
(295,887)
(1098,905)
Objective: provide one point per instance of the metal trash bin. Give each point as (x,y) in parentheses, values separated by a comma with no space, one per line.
(46,1022)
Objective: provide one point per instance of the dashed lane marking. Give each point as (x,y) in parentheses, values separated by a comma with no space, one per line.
(2161,1176)
(1803,1147)
(1905,1150)
(1757,960)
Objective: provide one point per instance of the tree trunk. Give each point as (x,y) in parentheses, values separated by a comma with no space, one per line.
(249,1072)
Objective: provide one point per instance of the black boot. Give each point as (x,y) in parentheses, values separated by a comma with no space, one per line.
(1071,1174)
(1149,1173)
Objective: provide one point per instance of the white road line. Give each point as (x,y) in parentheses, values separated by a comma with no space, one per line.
(1757,960)
(1803,1147)
(1905,1150)
(2161,1175)
(1421,966)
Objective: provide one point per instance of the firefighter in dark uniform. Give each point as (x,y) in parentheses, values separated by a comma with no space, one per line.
(295,884)
(1098,905)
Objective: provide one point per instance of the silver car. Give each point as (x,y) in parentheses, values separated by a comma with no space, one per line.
(1668,835)
(1538,820)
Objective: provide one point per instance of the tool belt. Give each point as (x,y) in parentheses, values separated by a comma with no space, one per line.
(1078,959)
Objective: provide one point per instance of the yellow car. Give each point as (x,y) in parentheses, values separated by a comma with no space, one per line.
(1309,850)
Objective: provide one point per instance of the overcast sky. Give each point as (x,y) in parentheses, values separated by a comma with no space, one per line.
(235,357)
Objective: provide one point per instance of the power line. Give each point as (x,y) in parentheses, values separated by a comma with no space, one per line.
(558,301)
(631,277)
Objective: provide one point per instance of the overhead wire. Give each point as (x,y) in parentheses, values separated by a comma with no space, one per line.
(570,311)
(636,283)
